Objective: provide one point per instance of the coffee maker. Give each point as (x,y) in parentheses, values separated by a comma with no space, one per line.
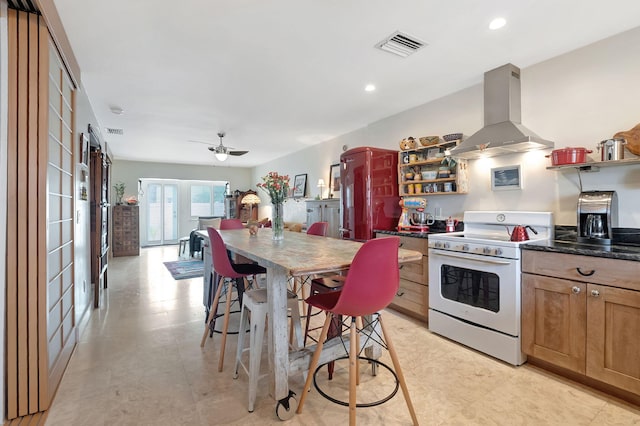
(597,216)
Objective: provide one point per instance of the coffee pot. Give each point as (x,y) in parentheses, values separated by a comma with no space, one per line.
(519,233)
(597,216)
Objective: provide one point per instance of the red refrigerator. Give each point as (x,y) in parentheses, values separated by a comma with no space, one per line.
(369,181)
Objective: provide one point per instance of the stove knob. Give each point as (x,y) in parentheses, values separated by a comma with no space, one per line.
(465,247)
(486,250)
(446,245)
(498,251)
(437,244)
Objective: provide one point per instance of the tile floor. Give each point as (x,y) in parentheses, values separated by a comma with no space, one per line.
(139,362)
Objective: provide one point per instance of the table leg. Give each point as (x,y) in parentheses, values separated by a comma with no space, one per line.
(278,336)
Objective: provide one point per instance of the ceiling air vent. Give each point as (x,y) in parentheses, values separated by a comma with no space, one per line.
(112,131)
(401,44)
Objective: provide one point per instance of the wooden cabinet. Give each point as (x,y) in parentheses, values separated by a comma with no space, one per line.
(325,211)
(412,297)
(438,178)
(583,314)
(126,232)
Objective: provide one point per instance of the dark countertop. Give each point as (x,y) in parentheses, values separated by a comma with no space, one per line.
(438,227)
(626,244)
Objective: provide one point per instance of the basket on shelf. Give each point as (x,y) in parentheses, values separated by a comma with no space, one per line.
(429,140)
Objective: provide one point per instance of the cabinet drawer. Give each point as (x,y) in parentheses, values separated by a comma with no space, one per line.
(614,272)
(417,244)
(412,298)
(416,271)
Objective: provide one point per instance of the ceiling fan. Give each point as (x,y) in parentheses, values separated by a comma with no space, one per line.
(221,151)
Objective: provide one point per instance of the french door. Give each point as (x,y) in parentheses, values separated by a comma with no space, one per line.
(161,207)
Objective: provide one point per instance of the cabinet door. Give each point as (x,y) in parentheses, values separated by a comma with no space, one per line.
(314,212)
(613,336)
(331,215)
(554,320)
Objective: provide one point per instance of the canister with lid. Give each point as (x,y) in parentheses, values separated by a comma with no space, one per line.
(612,149)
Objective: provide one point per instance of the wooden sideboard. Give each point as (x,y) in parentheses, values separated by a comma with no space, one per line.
(126,233)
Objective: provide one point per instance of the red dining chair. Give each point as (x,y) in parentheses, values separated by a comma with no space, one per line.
(231,224)
(229,274)
(370,285)
(318,228)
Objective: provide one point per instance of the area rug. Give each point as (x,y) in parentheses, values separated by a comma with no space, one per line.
(184,269)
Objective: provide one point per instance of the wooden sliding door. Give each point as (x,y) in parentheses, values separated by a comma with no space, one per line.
(40,296)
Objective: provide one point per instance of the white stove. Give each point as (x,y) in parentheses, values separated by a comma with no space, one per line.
(474,280)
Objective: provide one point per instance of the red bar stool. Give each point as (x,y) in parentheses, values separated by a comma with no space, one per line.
(228,272)
(370,285)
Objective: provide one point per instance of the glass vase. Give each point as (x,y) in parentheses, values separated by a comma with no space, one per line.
(277,224)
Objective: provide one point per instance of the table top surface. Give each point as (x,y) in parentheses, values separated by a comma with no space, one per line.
(300,253)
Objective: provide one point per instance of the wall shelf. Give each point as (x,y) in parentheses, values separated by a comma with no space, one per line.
(594,166)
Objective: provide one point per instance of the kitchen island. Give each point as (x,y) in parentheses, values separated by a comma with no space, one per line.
(581,311)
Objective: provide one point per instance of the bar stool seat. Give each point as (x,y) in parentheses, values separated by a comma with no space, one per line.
(254,304)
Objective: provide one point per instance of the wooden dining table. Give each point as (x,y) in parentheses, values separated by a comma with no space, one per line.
(298,254)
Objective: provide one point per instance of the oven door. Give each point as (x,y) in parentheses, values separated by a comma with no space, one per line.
(479,289)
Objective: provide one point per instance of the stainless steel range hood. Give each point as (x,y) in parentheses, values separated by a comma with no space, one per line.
(502,132)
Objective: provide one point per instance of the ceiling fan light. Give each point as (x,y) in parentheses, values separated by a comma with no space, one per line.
(221,156)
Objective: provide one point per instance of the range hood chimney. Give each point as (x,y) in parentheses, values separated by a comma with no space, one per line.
(502,132)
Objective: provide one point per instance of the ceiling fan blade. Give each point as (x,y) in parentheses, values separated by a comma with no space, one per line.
(237,153)
(202,142)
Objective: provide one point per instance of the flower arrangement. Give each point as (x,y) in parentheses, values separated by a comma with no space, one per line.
(276,185)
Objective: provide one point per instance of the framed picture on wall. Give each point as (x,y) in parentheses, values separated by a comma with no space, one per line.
(84,149)
(506,178)
(334,181)
(299,185)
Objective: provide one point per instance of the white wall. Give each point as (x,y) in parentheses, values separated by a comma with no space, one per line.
(576,99)
(129,172)
(82,237)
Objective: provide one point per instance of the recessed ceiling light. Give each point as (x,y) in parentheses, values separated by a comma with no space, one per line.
(369,88)
(497,23)
(116,110)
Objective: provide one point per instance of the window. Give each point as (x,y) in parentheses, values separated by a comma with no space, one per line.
(201,200)
(207,198)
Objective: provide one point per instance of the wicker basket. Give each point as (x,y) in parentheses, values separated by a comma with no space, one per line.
(429,140)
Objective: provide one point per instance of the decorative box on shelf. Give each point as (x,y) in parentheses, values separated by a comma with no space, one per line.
(427,170)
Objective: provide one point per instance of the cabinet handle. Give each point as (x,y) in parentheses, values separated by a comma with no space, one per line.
(586,274)
(401,266)
(401,244)
(575,289)
(399,294)
(595,293)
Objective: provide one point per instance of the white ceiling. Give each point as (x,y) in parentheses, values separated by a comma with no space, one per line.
(280,75)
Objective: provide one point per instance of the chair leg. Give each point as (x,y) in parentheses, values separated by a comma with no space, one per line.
(358,327)
(314,361)
(353,359)
(212,312)
(396,366)
(225,326)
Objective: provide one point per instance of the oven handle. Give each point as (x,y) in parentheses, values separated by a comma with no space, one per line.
(467,257)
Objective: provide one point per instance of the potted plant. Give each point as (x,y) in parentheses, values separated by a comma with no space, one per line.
(119,188)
